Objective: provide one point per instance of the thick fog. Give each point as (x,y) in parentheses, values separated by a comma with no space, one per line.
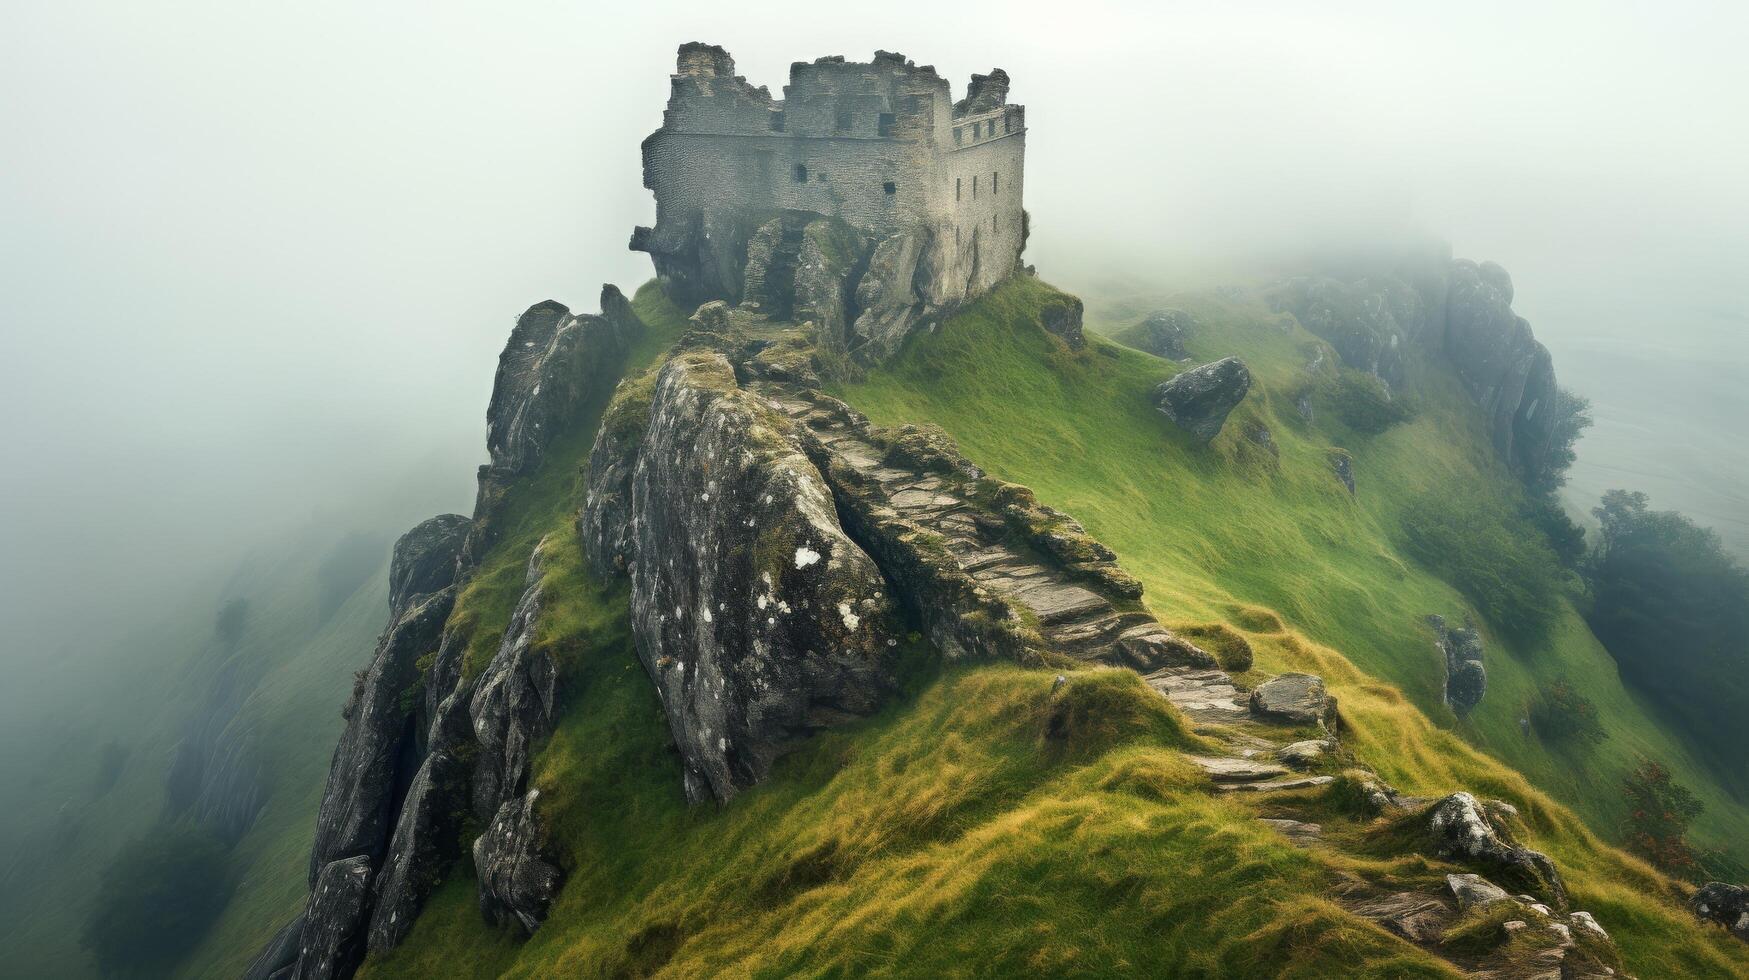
(256,261)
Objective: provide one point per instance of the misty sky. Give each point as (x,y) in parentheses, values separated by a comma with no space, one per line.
(256,261)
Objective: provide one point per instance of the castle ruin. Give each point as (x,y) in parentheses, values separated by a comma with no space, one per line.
(866,200)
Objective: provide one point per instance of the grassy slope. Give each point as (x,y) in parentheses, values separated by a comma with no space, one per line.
(159,682)
(948,835)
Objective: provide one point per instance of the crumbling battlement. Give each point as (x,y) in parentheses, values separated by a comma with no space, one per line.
(879,145)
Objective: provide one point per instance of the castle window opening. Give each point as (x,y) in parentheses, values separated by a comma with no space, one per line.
(956,136)
(974,187)
(994,186)
(801,173)
(956,188)
(1006,128)
(777,121)
(844,122)
(886,124)
(890,187)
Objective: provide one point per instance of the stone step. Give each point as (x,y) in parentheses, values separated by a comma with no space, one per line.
(1299,832)
(1054,601)
(1225,769)
(1278,785)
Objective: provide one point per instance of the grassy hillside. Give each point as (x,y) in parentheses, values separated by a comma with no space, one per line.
(65,830)
(950,834)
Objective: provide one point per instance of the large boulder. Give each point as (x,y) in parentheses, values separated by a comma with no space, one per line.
(518,876)
(1462,830)
(1724,903)
(331,944)
(1466,681)
(1200,399)
(280,953)
(1163,334)
(1061,316)
(1297,699)
(757,618)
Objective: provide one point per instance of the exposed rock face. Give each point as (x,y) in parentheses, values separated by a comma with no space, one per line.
(1163,333)
(427,831)
(280,953)
(1500,361)
(757,618)
(1061,317)
(1342,464)
(1466,681)
(374,759)
(1369,322)
(1471,890)
(890,296)
(1200,399)
(1297,699)
(1726,904)
(513,702)
(331,944)
(552,364)
(1463,831)
(517,878)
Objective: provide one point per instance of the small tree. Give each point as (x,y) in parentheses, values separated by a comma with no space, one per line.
(1561,714)
(1659,812)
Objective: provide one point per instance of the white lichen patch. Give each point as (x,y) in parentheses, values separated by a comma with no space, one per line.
(806,556)
(851,619)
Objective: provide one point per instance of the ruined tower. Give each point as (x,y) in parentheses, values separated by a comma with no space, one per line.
(866,198)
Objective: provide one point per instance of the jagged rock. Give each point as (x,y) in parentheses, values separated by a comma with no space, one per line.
(823,288)
(280,953)
(889,297)
(551,366)
(1200,399)
(374,756)
(1466,681)
(1471,890)
(1163,332)
(1463,831)
(757,618)
(1501,363)
(605,523)
(1724,903)
(768,278)
(517,877)
(1061,317)
(424,560)
(1297,699)
(513,702)
(1342,465)
(331,944)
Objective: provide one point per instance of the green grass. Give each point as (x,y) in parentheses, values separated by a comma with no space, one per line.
(979,825)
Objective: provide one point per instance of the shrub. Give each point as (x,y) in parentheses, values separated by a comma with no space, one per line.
(1501,564)
(1565,537)
(1364,404)
(155,900)
(1560,713)
(1659,812)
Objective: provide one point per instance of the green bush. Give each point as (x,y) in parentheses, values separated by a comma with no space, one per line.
(1364,404)
(1500,563)
(1561,714)
(156,899)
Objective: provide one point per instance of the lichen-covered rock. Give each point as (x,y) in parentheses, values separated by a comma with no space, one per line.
(888,297)
(427,829)
(1470,890)
(757,618)
(1306,753)
(1163,334)
(829,253)
(1296,699)
(1060,315)
(367,768)
(1461,830)
(518,878)
(513,701)
(1199,399)
(1724,903)
(331,944)
(1466,680)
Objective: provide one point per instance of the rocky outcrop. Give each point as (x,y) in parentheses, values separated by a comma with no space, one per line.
(756,617)
(1163,334)
(1509,374)
(553,365)
(1199,399)
(375,757)
(1294,699)
(1724,903)
(423,561)
(890,297)
(1462,830)
(1466,680)
(1060,316)
(1342,464)
(331,943)
(518,877)
(1369,321)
